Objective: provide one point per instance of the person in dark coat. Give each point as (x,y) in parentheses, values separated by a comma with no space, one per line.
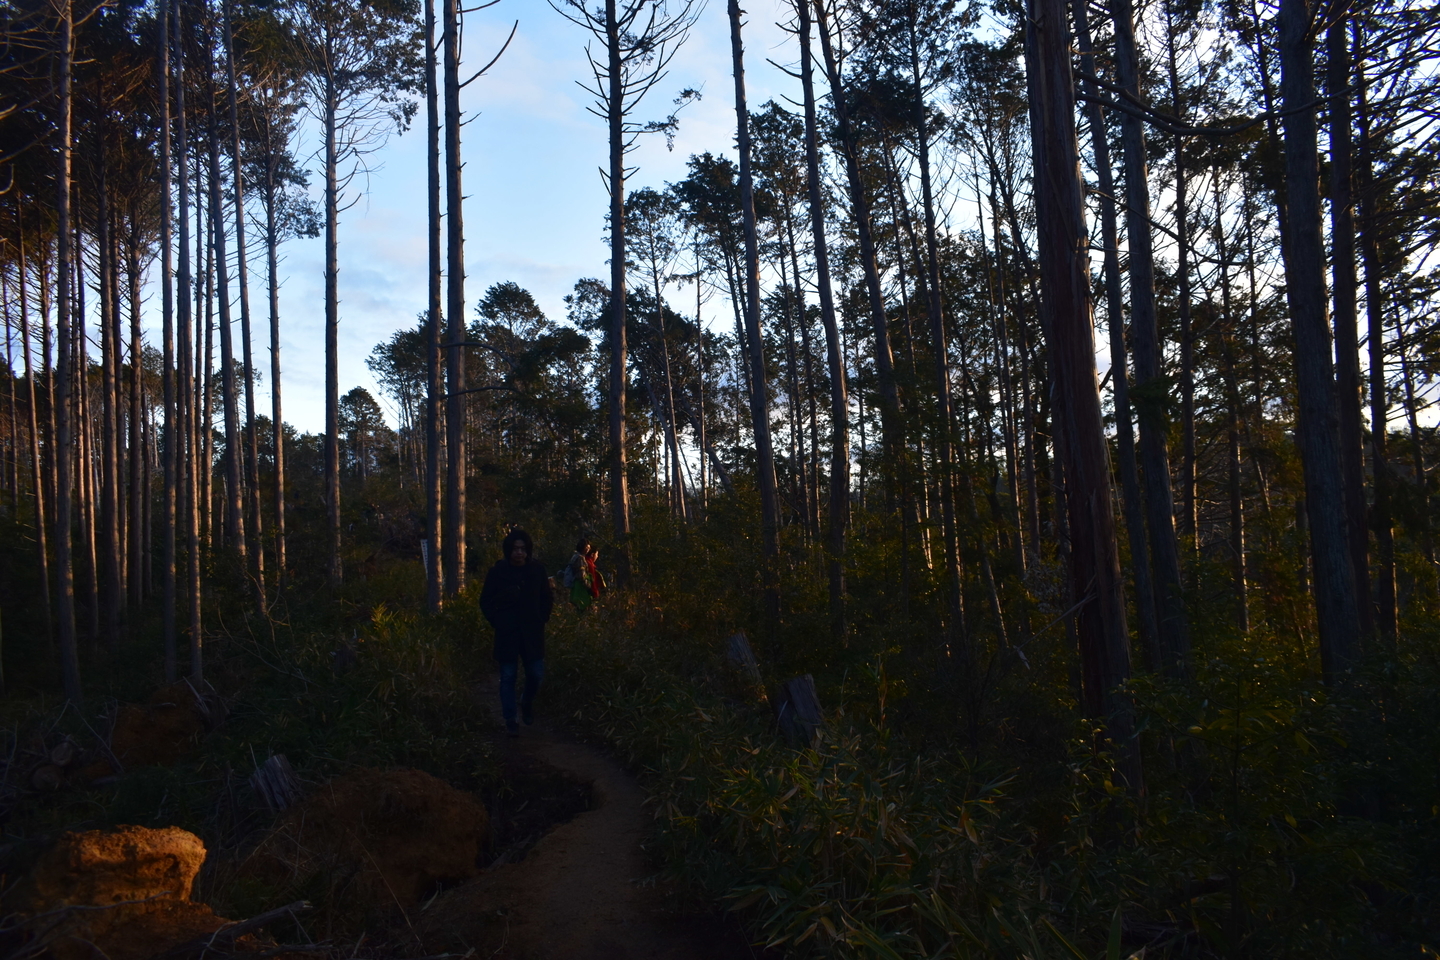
(516,600)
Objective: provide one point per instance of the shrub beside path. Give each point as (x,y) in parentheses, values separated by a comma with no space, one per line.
(586,891)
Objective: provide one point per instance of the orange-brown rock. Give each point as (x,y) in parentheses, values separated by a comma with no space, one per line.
(124,893)
(387,836)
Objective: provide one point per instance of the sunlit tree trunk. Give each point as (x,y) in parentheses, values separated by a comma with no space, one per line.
(188,448)
(109,592)
(172,435)
(252,516)
(64,565)
(1134,507)
(1095,579)
(37,469)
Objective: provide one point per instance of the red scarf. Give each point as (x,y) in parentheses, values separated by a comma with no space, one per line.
(593,577)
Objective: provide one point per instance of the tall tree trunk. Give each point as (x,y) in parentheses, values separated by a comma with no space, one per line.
(615,116)
(332,327)
(252,526)
(1380,514)
(940,346)
(188,449)
(277,419)
(234,520)
(1349,386)
(434,389)
(456,461)
(759,393)
(1150,391)
(860,211)
(138,530)
(1334,581)
(86,462)
(1095,578)
(167,358)
(108,591)
(64,566)
(1188,504)
(37,468)
(1134,507)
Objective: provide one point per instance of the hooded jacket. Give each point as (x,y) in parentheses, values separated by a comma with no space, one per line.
(517,602)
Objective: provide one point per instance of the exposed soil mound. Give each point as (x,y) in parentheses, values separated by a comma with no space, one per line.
(154,734)
(122,894)
(378,838)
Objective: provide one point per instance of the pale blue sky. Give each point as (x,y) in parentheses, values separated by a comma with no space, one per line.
(536,206)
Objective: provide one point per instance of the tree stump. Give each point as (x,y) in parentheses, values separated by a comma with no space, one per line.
(742,659)
(276,783)
(797,711)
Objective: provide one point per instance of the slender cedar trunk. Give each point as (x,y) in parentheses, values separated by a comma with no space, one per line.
(253,524)
(1150,393)
(759,393)
(186,448)
(213,531)
(1417,451)
(84,451)
(1349,388)
(171,435)
(1385,607)
(940,346)
(37,470)
(1234,413)
(994,301)
(434,389)
(1256,374)
(332,314)
(699,420)
(672,441)
(1232,437)
(1031,519)
(108,589)
(277,421)
(860,211)
(1095,576)
(1134,507)
(615,116)
(64,566)
(1182,269)
(792,390)
(137,530)
(456,407)
(1334,581)
(12,475)
(10,470)
(812,480)
(234,518)
(48,348)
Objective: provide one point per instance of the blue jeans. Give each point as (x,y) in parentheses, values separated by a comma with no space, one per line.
(534,673)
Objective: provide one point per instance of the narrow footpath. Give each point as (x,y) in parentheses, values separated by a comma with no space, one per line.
(586,890)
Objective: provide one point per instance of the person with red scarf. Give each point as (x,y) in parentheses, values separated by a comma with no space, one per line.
(583,577)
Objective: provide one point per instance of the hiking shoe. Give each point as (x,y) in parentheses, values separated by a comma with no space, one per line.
(527,713)
(512,728)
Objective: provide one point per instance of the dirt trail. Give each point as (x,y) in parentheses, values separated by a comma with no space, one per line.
(581,893)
